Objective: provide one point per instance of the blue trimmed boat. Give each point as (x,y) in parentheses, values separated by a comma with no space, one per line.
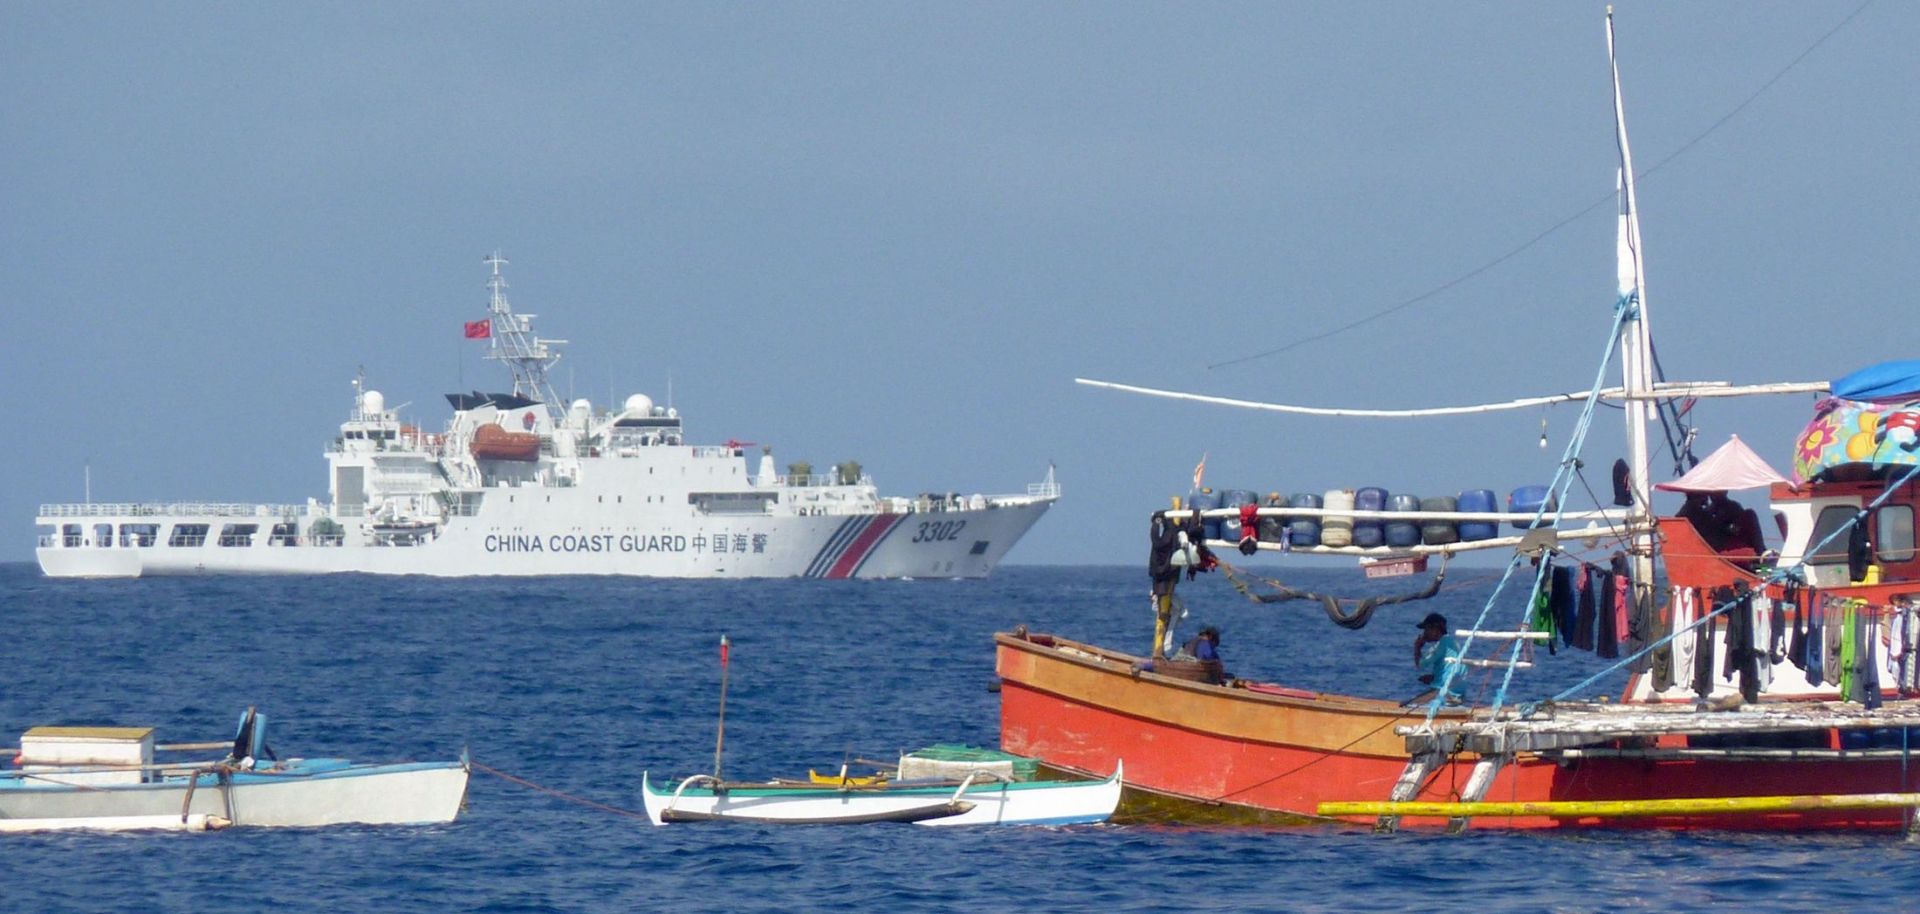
(976,799)
(106,778)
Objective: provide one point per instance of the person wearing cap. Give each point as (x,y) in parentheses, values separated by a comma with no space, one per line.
(1431,651)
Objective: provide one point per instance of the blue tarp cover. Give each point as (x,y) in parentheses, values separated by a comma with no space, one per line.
(1879,382)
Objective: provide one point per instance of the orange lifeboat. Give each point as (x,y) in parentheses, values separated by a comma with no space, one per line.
(491,442)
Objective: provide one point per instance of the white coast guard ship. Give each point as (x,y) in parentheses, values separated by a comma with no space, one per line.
(517,486)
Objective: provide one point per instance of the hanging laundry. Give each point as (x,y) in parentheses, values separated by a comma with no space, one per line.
(1586,615)
(1634,604)
(1905,638)
(1682,645)
(1835,616)
(1895,634)
(1847,651)
(1606,639)
(1870,626)
(1703,658)
(1660,661)
(1910,669)
(1565,604)
(1797,646)
(1742,660)
(1764,653)
(1776,616)
(1542,608)
(1816,651)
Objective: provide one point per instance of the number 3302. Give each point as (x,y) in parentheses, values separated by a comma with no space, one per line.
(935,531)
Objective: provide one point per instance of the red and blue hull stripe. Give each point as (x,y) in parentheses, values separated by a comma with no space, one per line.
(852,544)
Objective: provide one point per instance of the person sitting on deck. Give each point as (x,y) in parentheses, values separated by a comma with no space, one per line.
(1727,527)
(1742,525)
(1203,646)
(1432,661)
(1204,649)
(1698,511)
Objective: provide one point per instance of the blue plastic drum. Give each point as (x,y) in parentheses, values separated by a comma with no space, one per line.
(1478,501)
(1304,532)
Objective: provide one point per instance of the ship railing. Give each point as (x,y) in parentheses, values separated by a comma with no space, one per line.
(819,480)
(1043,490)
(192,509)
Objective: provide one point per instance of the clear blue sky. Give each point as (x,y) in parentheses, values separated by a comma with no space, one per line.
(895,233)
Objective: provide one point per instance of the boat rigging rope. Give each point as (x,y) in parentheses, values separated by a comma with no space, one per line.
(1627,307)
(1563,223)
(561,794)
(1363,608)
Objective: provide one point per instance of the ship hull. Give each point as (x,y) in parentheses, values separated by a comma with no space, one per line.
(518,541)
(1198,752)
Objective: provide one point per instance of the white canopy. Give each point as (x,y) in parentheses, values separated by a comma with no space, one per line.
(1733,466)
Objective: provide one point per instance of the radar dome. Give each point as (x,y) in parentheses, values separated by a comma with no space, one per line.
(373,402)
(640,404)
(582,406)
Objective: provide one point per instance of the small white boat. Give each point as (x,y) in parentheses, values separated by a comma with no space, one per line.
(105,778)
(978,799)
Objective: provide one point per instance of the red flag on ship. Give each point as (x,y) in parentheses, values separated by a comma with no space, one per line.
(479,330)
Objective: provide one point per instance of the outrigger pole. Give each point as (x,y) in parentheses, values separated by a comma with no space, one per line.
(1615,809)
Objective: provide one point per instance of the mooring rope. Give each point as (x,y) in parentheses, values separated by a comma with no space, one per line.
(560,794)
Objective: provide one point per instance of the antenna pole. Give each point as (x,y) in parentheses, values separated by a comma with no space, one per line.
(720,732)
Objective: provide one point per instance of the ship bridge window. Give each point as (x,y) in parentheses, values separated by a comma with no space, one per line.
(70,535)
(238,534)
(103,534)
(142,535)
(188,535)
(1832,522)
(1893,533)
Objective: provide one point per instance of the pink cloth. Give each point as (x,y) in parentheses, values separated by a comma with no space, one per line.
(1620,606)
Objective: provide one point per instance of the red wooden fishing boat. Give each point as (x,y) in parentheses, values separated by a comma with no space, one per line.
(1786,748)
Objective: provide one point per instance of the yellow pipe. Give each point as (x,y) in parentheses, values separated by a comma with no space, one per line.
(1608,809)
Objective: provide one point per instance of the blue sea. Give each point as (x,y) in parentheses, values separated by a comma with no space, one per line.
(580,684)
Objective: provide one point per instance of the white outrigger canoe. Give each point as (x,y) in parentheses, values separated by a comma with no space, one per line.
(977,799)
(105,778)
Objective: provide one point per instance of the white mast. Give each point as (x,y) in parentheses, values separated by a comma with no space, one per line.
(514,343)
(1636,346)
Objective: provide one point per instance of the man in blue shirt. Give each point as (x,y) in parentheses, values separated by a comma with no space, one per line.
(1205,645)
(1431,653)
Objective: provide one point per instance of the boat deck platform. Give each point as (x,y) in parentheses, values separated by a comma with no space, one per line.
(1578,726)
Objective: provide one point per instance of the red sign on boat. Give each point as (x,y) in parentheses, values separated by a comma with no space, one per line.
(1393,566)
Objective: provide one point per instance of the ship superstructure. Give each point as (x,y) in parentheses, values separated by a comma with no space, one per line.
(519,485)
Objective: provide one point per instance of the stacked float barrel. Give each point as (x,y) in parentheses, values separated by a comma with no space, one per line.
(1370,533)
(1399,534)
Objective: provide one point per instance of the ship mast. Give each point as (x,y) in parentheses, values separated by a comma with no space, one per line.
(527,356)
(1636,347)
